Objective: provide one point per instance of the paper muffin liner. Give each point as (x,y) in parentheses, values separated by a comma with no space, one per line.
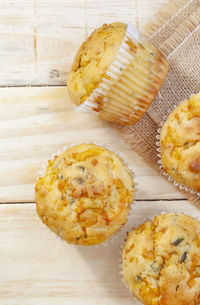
(178,185)
(136,225)
(115,236)
(131,82)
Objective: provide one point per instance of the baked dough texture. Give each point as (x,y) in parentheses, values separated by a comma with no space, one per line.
(180,143)
(117,73)
(85,194)
(93,59)
(161,261)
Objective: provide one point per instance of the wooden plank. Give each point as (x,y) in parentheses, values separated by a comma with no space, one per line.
(37,122)
(39,38)
(108,11)
(147,9)
(39,268)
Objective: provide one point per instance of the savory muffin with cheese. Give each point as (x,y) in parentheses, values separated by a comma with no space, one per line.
(180,143)
(161,261)
(93,59)
(85,194)
(117,73)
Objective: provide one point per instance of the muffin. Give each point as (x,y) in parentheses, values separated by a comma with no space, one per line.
(161,261)
(117,73)
(85,194)
(180,143)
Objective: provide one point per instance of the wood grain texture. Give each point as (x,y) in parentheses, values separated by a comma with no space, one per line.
(39,268)
(37,122)
(38,41)
(39,38)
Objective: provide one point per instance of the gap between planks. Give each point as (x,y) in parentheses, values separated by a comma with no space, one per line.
(34,86)
(138,200)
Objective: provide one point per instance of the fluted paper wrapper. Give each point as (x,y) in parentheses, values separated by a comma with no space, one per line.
(176,32)
(131,82)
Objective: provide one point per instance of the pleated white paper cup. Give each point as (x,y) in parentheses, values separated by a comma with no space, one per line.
(131,82)
(136,226)
(159,155)
(115,236)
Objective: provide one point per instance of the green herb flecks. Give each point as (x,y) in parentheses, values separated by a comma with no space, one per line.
(79,180)
(183,257)
(178,241)
(82,168)
(155,266)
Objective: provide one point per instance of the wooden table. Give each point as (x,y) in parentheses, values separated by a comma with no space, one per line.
(38,39)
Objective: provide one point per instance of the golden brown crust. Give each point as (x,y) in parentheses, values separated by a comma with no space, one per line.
(180,143)
(126,70)
(85,194)
(93,59)
(161,261)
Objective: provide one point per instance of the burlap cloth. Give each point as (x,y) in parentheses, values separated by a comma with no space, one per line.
(176,32)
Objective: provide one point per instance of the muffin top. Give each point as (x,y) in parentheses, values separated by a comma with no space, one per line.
(85,194)
(93,59)
(180,143)
(161,261)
